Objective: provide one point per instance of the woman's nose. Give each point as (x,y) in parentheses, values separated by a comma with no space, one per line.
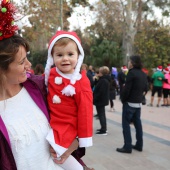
(28,64)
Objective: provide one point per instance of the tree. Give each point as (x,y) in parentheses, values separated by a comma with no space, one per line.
(44,17)
(133,13)
(153,44)
(106,53)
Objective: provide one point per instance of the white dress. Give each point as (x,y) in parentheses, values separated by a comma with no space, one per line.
(27,128)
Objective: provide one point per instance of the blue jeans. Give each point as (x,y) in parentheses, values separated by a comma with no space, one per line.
(131,114)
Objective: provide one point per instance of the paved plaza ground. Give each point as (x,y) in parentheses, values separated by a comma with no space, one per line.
(156,152)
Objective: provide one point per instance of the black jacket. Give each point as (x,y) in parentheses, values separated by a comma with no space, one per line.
(90,76)
(135,85)
(101,91)
(121,78)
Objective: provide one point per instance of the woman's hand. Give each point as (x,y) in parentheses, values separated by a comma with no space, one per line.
(66,154)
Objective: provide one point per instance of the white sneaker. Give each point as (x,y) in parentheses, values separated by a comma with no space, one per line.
(112,110)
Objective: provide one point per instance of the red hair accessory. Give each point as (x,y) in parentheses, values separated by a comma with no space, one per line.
(7,12)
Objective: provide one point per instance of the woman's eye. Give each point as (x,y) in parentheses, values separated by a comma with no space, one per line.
(22,62)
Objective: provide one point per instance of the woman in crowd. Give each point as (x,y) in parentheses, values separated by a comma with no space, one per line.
(101,98)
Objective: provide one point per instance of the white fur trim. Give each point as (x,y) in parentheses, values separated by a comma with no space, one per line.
(165,71)
(67,76)
(68,90)
(56,99)
(59,149)
(48,68)
(85,142)
(159,69)
(50,61)
(58,80)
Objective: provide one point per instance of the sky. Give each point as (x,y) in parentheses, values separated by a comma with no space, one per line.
(82,21)
(81,18)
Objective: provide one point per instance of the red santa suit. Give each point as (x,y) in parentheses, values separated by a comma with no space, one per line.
(71,116)
(70,101)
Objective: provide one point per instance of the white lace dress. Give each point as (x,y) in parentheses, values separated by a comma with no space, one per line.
(27,127)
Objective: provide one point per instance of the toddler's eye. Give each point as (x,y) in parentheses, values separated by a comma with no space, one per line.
(70,54)
(60,55)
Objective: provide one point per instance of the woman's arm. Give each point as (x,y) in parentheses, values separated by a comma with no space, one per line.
(6,157)
(66,154)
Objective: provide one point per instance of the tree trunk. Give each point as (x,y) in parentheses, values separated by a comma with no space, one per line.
(130,29)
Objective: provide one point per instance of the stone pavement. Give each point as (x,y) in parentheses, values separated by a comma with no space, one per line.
(156,152)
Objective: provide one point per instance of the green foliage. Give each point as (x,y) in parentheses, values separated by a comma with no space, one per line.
(153,44)
(165,13)
(106,53)
(102,41)
(38,57)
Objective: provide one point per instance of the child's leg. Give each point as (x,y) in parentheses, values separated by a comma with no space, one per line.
(70,163)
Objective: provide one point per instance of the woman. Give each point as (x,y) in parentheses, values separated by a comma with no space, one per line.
(23,112)
(101,98)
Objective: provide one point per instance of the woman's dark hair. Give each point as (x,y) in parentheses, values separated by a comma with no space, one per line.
(136,61)
(8,49)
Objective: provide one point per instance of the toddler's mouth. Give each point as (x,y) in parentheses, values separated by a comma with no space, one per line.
(65,64)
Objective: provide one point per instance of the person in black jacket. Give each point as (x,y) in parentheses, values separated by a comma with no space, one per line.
(122,78)
(131,97)
(112,96)
(90,75)
(101,98)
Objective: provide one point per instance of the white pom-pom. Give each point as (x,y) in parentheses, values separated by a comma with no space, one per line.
(58,80)
(56,99)
(68,90)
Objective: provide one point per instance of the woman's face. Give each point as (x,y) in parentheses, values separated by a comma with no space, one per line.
(16,72)
(130,64)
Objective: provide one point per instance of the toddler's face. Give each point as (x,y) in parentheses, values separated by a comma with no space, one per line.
(65,57)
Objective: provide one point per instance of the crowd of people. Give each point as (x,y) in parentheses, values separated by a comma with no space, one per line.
(160,84)
(131,84)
